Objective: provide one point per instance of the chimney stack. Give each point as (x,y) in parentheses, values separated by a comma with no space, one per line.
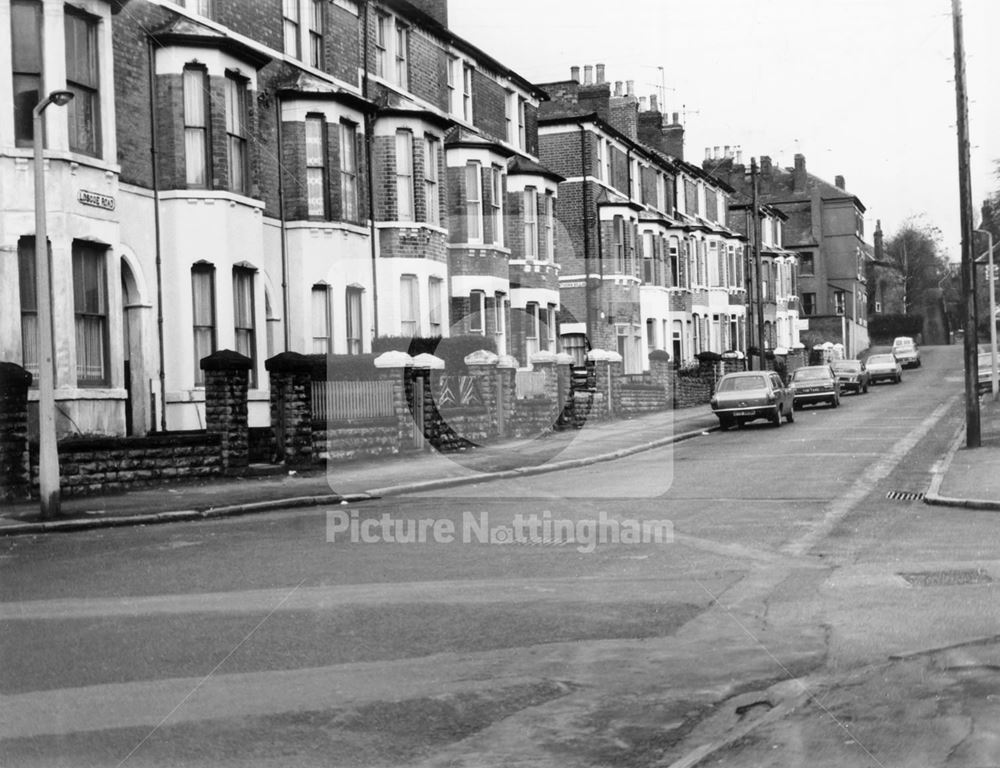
(630,84)
(799,178)
(839,181)
(588,74)
(619,86)
(879,247)
(654,103)
(739,155)
(765,166)
(708,153)
(642,104)
(600,74)
(676,120)
(574,74)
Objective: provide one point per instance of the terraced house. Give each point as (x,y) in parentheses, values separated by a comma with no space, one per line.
(648,260)
(302,175)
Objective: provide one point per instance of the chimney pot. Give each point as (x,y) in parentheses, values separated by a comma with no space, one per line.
(676,120)
(715,152)
(574,74)
(642,104)
(739,156)
(708,153)
(839,180)
(654,103)
(631,87)
(600,74)
(588,74)
(728,152)
(619,88)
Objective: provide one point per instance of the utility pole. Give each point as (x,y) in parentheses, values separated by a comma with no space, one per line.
(759,296)
(973,436)
(748,280)
(906,277)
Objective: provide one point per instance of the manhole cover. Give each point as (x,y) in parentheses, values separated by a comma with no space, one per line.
(947,578)
(904,496)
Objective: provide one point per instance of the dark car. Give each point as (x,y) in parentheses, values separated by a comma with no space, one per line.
(748,395)
(852,375)
(815,384)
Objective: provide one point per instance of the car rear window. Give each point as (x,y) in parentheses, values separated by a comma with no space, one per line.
(847,367)
(810,374)
(881,359)
(741,384)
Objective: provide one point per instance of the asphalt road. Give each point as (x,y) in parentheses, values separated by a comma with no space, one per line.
(793,573)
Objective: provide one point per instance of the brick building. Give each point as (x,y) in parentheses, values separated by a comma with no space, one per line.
(648,261)
(825,228)
(263,176)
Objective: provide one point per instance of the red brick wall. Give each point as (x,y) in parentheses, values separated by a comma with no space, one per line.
(260,20)
(342,43)
(489,106)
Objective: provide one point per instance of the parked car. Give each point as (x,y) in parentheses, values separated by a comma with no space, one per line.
(815,384)
(884,367)
(748,395)
(985,364)
(852,375)
(906,351)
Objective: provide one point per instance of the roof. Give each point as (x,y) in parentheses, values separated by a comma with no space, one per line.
(523,165)
(184,31)
(306,85)
(462,137)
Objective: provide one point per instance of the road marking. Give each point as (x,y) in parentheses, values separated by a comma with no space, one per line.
(843,506)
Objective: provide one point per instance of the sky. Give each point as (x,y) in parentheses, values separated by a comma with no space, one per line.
(863,88)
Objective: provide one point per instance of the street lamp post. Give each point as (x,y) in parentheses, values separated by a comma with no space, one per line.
(993,309)
(48,454)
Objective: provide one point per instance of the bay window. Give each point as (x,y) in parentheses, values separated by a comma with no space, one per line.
(243,316)
(322,331)
(354,332)
(530,223)
(202,316)
(316,169)
(236,133)
(409,305)
(404,176)
(90,305)
(195,87)
(348,171)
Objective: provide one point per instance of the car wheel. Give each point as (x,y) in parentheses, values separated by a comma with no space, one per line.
(776,417)
(725,422)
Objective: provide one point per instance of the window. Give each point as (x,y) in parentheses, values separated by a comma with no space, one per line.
(551,322)
(648,265)
(675,280)
(321,323)
(316,174)
(515,120)
(202,316)
(435,291)
(316,33)
(808,303)
(477,312)
(618,243)
(500,314)
(599,160)
(28,284)
(531,323)
(806,264)
(550,227)
(409,310)
(404,176)
(467,92)
(530,223)
(496,204)
(26,58)
(432,201)
(84,110)
(90,303)
(201,7)
(348,171)
(291,27)
(382,23)
(402,55)
(354,343)
(878,308)
(839,303)
(243,317)
(454,78)
(236,137)
(195,81)
(473,203)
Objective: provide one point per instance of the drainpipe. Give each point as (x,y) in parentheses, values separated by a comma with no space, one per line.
(586,231)
(369,177)
(156,232)
(284,231)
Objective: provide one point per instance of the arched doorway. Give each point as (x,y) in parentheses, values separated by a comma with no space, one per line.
(137,397)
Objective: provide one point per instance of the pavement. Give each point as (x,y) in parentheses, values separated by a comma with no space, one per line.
(965,478)
(359,480)
(969,477)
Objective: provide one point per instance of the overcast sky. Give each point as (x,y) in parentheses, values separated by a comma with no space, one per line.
(862,88)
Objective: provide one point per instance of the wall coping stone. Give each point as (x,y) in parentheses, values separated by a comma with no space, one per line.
(507,361)
(13,375)
(482,357)
(393,359)
(163,440)
(598,355)
(564,358)
(226,360)
(427,360)
(289,362)
(543,358)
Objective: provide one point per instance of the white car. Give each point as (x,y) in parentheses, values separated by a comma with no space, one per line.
(905,350)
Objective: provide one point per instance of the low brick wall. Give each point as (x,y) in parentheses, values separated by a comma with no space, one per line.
(691,390)
(643,398)
(534,416)
(355,439)
(104,464)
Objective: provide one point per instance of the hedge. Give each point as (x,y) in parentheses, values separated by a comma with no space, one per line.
(891,326)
